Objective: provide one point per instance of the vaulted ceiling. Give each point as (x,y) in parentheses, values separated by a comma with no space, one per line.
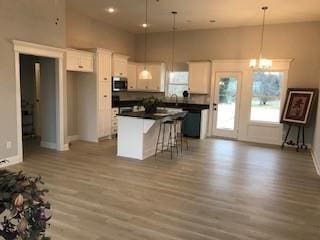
(196,14)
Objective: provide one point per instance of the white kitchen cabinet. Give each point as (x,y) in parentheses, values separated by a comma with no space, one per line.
(199,77)
(114,121)
(157,83)
(119,65)
(104,92)
(132,76)
(79,61)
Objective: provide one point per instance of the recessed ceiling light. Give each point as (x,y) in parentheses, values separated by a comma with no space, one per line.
(144,25)
(110,10)
(212,21)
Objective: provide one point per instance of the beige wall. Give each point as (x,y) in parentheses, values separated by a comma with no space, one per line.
(33,21)
(299,41)
(85,32)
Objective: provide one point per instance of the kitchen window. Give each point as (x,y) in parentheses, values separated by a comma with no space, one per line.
(266,96)
(178,83)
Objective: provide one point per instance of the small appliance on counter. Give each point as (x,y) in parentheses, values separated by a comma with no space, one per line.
(119,84)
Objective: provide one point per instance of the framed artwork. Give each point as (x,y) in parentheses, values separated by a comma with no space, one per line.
(299,105)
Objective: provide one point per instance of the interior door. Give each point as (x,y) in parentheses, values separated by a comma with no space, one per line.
(37,117)
(226,104)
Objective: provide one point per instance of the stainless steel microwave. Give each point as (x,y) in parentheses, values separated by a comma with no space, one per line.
(119,84)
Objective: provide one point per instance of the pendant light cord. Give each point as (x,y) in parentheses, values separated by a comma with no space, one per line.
(262,30)
(173,40)
(145,37)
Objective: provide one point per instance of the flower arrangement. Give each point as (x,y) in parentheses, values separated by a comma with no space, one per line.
(150,104)
(24,212)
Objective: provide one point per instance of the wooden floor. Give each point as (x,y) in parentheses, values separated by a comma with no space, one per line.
(218,190)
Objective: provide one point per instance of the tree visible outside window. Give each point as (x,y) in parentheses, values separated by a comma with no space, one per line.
(178,83)
(266,96)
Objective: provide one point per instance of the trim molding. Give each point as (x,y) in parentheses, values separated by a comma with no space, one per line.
(316,161)
(11,161)
(73,138)
(49,145)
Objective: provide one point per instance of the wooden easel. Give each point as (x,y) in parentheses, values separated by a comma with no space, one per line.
(300,134)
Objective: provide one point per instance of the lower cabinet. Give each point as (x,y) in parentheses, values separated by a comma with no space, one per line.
(114,122)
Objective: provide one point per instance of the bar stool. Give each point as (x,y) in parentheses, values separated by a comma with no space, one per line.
(170,122)
(181,119)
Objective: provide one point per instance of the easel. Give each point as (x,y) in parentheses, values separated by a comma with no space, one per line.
(299,134)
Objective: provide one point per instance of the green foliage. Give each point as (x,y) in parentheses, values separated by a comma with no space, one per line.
(150,104)
(24,212)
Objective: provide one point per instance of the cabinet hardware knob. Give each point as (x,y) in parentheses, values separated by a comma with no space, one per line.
(105,78)
(80,66)
(105,96)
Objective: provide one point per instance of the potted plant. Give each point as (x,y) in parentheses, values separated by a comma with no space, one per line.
(151,104)
(24,212)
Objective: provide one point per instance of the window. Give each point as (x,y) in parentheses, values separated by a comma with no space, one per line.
(178,83)
(266,96)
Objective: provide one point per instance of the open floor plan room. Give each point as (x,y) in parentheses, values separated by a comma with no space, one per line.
(219,190)
(159,119)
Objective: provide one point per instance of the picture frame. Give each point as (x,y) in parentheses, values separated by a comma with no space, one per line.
(299,105)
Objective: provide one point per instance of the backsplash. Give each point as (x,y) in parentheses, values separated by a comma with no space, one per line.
(194,98)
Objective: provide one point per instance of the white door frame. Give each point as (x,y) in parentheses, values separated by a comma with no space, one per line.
(221,132)
(21,47)
(245,125)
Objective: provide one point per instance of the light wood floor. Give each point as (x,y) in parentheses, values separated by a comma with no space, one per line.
(218,190)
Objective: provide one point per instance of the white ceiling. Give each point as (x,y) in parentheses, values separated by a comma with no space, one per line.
(227,13)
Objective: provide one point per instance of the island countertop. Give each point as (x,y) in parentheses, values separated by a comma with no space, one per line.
(152,116)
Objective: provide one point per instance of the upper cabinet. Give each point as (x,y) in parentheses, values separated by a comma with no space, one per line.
(199,77)
(157,83)
(80,61)
(132,76)
(119,65)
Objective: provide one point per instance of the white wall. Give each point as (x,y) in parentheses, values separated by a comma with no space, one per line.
(33,21)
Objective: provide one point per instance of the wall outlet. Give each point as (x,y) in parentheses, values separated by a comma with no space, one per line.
(9,144)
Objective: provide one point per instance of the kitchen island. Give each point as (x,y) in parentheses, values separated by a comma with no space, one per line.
(138,133)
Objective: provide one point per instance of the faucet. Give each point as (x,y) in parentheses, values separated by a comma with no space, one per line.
(175,95)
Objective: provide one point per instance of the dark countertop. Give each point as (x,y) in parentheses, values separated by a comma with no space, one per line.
(188,106)
(152,116)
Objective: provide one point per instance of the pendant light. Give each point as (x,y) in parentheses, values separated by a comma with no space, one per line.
(145,74)
(261,63)
(174,13)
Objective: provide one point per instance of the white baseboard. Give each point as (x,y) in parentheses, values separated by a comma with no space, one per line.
(316,161)
(48,145)
(11,161)
(73,138)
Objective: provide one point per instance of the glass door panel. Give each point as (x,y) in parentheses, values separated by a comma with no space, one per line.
(227,97)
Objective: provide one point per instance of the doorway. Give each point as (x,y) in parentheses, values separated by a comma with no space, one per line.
(57,55)
(38,101)
(226,104)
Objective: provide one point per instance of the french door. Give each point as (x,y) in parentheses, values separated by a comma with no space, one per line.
(226,104)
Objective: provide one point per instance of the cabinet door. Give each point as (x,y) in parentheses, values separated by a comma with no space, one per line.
(120,66)
(73,61)
(199,77)
(132,76)
(155,83)
(104,67)
(86,63)
(142,84)
(104,109)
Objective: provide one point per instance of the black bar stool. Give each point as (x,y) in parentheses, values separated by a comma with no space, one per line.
(172,136)
(181,119)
